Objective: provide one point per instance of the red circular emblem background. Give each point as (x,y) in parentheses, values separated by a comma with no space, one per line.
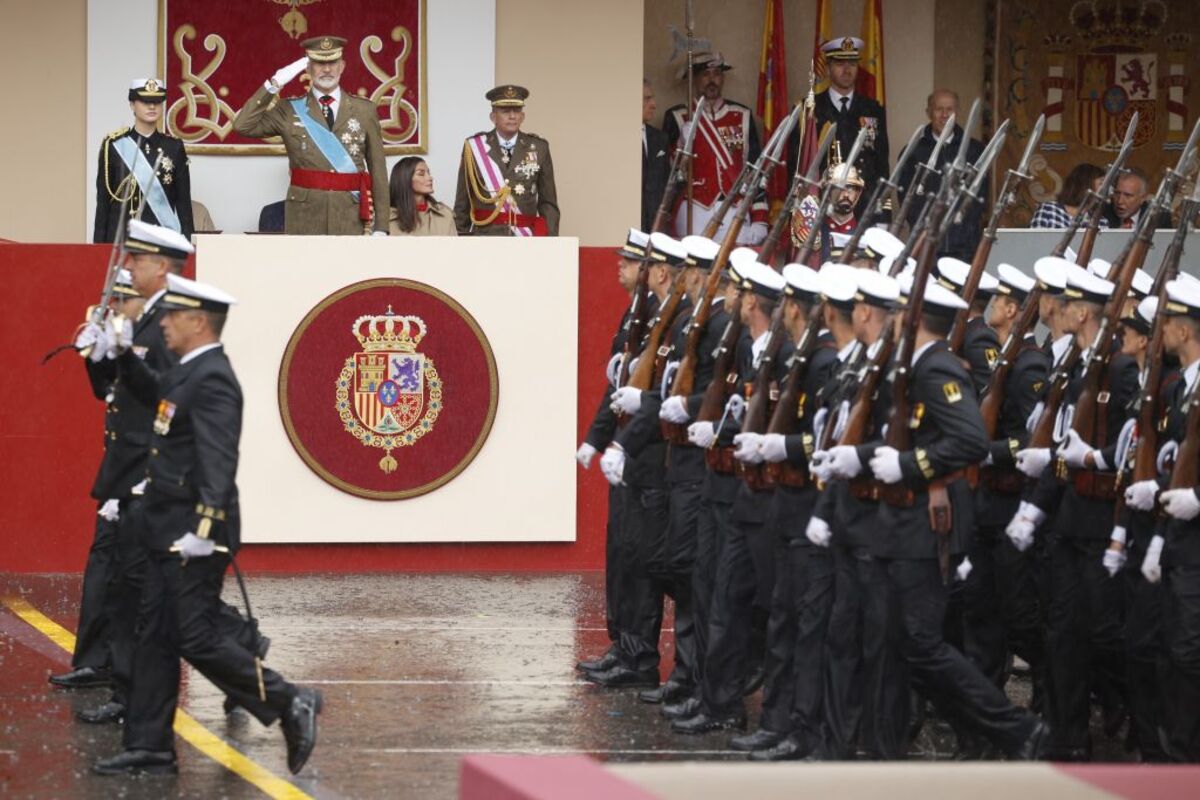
(458,365)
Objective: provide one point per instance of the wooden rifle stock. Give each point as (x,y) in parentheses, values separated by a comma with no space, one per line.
(1186,473)
(725,375)
(757,404)
(993,398)
(858,418)
(958,330)
(639,319)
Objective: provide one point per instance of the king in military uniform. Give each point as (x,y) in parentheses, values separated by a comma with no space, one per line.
(506,177)
(126,170)
(339,180)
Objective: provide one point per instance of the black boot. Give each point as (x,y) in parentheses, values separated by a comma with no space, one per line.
(83,678)
(300,727)
(102,715)
(133,762)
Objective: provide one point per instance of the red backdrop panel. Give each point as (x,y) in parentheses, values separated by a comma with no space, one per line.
(50,439)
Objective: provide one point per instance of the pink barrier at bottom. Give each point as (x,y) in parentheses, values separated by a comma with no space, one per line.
(487,777)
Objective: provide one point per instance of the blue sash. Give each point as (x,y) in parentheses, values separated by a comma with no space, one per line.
(326,141)
(143,172)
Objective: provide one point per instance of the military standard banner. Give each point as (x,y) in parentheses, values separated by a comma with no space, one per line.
(214,56)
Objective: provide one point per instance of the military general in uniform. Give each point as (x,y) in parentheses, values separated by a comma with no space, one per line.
(505,176)
(339,180)
(126,173)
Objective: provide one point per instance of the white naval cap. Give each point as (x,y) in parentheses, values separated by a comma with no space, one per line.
(635,245)
(667,250)
(142,237)
(1141,317)
(739,263)
(876,289)
(885,265)
(1083,285)
(760,279)
(838,284)
(123,285)
(952,274)
(803,282)
(1013,283)
(838,241)
(878,243)
(186,294)
(844,48)
(1142,282)
(1183,298)
(1051,272)
(148,90)
(701,251)
(1187,278)
(938,299)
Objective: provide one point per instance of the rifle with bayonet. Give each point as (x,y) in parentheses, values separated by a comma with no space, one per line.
(761,392)
(1084,420)
(685,374)
(1013,181)
(884,188)
(925,169)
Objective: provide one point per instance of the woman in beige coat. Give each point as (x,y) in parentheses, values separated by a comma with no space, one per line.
(415,212)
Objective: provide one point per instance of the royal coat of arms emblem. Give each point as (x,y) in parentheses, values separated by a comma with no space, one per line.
(388,394)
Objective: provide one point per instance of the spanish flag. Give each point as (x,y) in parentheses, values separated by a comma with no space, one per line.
(773,106)
(823,32)
(870,63)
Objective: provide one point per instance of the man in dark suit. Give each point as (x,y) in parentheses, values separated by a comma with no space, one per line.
(1130,197)
(849,111)
(192,531)
(656,165)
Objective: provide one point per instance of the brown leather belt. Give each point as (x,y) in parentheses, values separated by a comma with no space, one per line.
(781,473)
(720,460)
(1003,480)
(1095,485)
(673,433)
(896,494)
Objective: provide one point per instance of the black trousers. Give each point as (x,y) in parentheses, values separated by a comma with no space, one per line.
(612,562)
(179,618)
(1145,662)
(92,636)
(865,693)
(1001,610)
(1181,689)
(683,532)
(1084,639)
(122,601)
(641,588)
(711,525)
(941,671)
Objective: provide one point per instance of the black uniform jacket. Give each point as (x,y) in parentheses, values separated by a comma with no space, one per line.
(963,237)
(862,112)
(947,435)
(1078,517)
(685,462)
(194,454)
(129,407)
(1024,387)
(604,421)
(173,174)
(981,349)
(656,169)
(1182,546)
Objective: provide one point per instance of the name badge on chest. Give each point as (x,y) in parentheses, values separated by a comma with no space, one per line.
(162,420)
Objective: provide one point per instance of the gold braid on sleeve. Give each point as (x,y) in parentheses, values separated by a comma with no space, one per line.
(479,196)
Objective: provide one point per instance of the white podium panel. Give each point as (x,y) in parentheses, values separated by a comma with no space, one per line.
(524,295)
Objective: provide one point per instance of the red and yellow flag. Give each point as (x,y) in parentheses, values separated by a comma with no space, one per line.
(823,32)
(870,61)
(773,107)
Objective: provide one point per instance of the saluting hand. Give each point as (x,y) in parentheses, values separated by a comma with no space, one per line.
(284,75)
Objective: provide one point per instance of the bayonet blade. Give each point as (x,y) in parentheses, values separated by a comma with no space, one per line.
(691,134)
(947,132)
(855,149)
(1186,155)
(814,169)
(984,162)
(1115,169)
(905,156)
(1035,136)
(972,118)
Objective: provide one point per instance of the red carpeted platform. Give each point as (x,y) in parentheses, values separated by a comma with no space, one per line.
(50,444)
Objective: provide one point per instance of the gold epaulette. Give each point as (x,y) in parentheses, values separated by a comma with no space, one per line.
(534,136)
(118,133)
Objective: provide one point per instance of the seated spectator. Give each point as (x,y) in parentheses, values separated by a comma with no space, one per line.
(270,219)
(1129,199)
(415,212)
(202,221)
(1058,213)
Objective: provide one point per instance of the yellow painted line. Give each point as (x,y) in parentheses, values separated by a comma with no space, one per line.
(186,726)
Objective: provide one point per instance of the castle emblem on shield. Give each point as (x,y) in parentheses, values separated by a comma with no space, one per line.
(388,394)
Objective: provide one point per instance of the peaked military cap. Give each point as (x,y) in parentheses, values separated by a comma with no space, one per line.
(324,49)
(142,237)
(508,96)
(184,294)
(148,90)
(846,48)
(803,282)
(666,250)
(1014,283)
(701,251)
(635,245)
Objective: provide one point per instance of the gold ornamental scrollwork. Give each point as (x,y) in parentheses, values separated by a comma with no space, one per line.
(402,118)
(197,92)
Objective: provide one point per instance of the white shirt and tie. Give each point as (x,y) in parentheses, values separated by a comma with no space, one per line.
(841,102)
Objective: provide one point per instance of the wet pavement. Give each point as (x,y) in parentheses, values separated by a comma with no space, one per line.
(417,671)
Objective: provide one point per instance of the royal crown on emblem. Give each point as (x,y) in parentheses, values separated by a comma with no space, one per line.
(1178,42)
(389,331)
(1057,42)
(151,85)
(1117,25)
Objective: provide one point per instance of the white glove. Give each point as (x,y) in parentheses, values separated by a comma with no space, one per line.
(612,464)
(1024,523)
(821,466)
(119,332)
(1151,569)
(964,569)
(746,448)
(585,454)
(1141,495)
(753,234)
(1033,460)
(886,464)
(192,546)
(379,233)
(843,461)
(92,336)
(818,532)
(111,510)
(773,447)
(1181,504)
(702,434)
(626,400)
(1074,450)
(674,409)
(283,76)
(1113,561)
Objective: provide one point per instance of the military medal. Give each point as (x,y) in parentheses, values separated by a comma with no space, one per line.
(162,420)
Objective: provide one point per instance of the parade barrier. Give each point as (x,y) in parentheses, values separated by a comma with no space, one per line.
(51,443)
